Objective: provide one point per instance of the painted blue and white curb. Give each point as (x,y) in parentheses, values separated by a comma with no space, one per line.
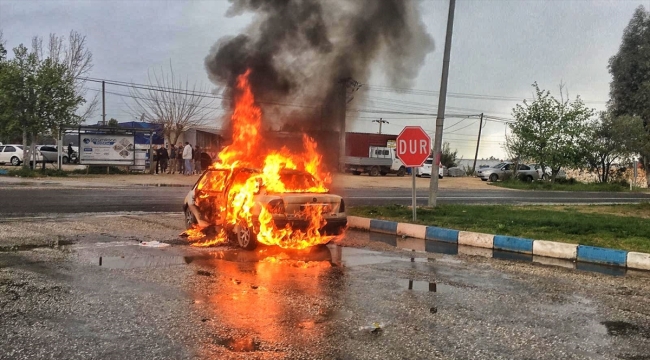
(542,251)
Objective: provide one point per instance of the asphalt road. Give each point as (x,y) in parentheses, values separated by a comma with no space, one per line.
(106,297)
(19,200)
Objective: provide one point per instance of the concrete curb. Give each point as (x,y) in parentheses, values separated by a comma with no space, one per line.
(638,261)
(476,239)
(542,251)
(555,249)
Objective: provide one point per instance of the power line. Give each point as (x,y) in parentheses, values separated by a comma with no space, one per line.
(422,92)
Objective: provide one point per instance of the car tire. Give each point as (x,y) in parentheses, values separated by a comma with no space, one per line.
(528,178)
(246,237)
(15,161)
(190,220)
(374,171)
(65,160)
(356,173)
(494,177)
(401,171)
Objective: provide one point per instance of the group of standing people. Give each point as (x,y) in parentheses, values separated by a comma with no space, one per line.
(182,159)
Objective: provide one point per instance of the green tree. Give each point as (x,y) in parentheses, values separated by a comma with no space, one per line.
(613,139)
(549,131)
(38,96)
(3,50)
(113,123)
(448,157)
(630,70)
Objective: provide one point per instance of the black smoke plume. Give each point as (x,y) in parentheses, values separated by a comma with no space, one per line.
(300,50)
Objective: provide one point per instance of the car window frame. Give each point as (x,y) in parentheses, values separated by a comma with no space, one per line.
(9,146)
(196,184)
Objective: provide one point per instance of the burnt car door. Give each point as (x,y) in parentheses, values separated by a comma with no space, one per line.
(210,194)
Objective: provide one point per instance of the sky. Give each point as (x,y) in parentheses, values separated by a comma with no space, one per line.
(499,49)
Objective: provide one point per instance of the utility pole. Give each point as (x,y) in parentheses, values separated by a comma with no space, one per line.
(103,103)
(442,100)
(381,121)
(478,141)
(341,103)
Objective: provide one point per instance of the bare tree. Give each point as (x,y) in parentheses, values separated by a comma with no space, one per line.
(171,102)
(74,54)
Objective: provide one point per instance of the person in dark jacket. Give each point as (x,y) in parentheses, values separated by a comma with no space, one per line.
(164,159)
(172,159)
(179,158)
(196,156)
(157,157)
(154,153)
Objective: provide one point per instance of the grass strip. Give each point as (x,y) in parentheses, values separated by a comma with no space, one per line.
(563,185)
(624,227)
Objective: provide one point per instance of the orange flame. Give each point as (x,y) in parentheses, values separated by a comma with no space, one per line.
(248,150)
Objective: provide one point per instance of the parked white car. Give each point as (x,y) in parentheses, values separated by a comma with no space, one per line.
(11,154)
(425,169)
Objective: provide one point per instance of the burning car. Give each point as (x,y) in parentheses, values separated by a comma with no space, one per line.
(262,192)
(296,206)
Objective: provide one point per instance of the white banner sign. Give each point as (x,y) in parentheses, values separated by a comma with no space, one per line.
(103,149)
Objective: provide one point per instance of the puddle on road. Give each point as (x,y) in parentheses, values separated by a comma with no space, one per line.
(424,286)
(246,344)
(440,247)
(623,328)
(59,244)
(332,255)
(131,262)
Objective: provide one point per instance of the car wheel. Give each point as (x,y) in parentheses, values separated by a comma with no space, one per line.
(401,171)
(190,220)
(528,178)
(356,173)
(246,238)
(374,171)
(15,161)
(494,177)
(65,160)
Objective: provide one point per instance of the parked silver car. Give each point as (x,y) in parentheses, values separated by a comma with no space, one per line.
(548,173)
(50,152)
(506,170)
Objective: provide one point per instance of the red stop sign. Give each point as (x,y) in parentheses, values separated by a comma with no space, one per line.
(413,146)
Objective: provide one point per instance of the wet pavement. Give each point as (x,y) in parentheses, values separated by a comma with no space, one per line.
(104,295)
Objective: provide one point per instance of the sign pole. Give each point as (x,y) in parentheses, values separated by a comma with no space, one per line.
(414,194)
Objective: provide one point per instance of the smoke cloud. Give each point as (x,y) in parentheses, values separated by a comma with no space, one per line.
(299,51)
